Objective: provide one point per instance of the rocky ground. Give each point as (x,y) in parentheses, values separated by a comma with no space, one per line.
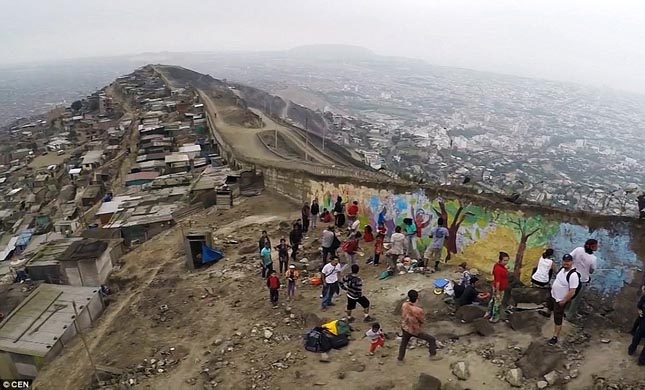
(170,328)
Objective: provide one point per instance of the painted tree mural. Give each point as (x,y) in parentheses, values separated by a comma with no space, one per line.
(459,216)
(531,232)
(526,230)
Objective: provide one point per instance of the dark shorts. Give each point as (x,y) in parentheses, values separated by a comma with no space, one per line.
(557,309)
(363,301)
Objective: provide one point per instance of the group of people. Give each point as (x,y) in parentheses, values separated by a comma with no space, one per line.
(567,283)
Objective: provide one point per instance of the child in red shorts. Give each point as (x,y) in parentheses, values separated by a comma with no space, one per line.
(376,337)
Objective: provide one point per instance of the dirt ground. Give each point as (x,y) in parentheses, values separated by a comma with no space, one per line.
(170,328)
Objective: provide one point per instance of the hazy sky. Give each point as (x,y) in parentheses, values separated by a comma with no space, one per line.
(593,42)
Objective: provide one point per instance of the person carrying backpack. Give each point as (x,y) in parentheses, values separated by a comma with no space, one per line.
(564,289)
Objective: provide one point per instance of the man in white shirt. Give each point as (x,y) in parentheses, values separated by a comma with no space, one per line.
(330,274)
(563,291)
(585,262)
(397,248)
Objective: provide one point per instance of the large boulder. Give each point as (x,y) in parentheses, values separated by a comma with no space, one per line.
(539,359)
(427,382)
(470,313)
(248,249)
(483,327)
(526,321)
(530,295)
(449,329)
(431,303)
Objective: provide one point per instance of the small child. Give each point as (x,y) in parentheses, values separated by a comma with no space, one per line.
(292,276)
(273,283)
(376,337)
(378,247)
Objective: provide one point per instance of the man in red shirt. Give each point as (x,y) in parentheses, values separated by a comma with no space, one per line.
(352,211)
(412,326)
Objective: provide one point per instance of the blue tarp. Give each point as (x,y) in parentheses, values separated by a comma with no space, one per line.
(210,255)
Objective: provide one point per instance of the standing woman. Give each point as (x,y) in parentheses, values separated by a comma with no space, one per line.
(543,273)
(500,286)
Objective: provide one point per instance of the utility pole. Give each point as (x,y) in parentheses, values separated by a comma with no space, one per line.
(87,349)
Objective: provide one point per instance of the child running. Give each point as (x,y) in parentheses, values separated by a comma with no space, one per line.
(292,276)
(376,337)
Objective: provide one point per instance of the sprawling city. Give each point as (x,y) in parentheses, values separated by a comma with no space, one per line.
(230,206)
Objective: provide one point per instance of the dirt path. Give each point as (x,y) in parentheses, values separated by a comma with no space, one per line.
(296,141)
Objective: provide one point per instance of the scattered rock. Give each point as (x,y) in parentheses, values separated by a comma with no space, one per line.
(460,370)
(552,377)
(385,385)
(340,375)
(540,359)
(605,341)
(324,357)
(526,321)
(514,377)
(268,334)
(470,313)
(311,320)
(483,327)
(542,384)
(248,249)
(427,382)
(356,366)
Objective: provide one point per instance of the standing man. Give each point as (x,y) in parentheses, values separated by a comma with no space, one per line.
(338,211)
(315,210)
(585,262)
(412,326)
(564,289)
(330,281)
(327,243)
(411,235)
(438,235)
(306,213)
(353,285)
(397,247)
(295,238)
(639,332)
(264,238)
(267,261)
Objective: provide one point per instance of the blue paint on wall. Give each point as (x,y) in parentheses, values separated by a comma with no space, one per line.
(617,262)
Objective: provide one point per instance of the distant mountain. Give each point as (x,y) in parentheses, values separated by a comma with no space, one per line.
(328,51)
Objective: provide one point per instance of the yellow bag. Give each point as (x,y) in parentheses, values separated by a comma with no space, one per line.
(332,327)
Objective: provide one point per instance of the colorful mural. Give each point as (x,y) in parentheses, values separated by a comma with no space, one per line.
(478,234)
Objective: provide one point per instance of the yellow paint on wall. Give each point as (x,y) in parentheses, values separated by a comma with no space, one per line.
(483,254)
